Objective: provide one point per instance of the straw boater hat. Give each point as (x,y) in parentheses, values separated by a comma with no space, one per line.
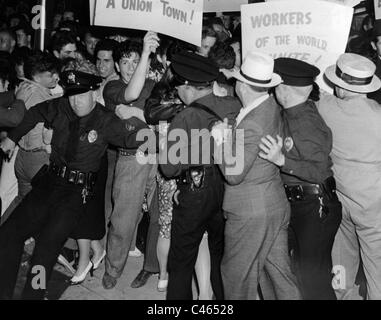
(354,73)
(258,70)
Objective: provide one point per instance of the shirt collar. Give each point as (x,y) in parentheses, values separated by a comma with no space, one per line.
(245,111)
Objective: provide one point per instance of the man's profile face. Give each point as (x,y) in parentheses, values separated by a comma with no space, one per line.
(47,79)
(377,45)
(105,63)
(185,93)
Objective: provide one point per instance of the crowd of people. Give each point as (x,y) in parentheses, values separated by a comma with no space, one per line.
(280,198)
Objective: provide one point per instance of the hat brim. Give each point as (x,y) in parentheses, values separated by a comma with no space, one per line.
(275,80)
(330,73)
(75,90)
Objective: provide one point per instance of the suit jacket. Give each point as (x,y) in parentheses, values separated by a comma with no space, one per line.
(259,183)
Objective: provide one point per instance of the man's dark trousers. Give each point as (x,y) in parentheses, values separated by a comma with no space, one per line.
(312,234)
(199,210)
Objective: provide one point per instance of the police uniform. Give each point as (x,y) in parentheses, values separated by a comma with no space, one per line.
(309,184)
(67,191)
(200,183)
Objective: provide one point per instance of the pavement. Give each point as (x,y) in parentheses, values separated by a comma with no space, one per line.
(91,288)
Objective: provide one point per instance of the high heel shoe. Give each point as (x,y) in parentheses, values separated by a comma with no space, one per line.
(79,279)
(96,264)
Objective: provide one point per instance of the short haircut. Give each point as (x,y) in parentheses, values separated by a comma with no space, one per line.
(61,39)
(223,55)
(126,48)
(39,63)
(79,65)
(106,45)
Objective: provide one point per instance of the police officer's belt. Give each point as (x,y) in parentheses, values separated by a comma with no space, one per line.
(127,153)
(73,176)
(299,192)
(195,176)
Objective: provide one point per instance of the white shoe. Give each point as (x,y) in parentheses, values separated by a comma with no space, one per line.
(65,263)
(97,263)
(136,253)
(79,279)
(162,285)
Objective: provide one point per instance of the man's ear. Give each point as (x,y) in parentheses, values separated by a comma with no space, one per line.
(56,54)
(373,45)
(117,67)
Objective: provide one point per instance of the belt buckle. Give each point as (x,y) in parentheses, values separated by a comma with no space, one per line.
(294,193)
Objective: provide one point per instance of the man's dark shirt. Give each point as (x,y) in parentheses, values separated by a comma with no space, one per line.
(79,143)
(192,118)
(307,145)
(114,93)
(11,110)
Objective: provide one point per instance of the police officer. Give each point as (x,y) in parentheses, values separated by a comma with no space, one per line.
(64,190)
(303,155)
(200,183)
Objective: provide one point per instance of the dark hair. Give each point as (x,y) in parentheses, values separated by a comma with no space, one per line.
(7,72)
(208,32)
(126,48)
(40,62)
(223,55)
(28,30)
(20,55)
(61,39)
(315,93)
(106,45)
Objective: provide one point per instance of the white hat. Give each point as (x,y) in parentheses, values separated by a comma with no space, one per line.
(258,70)
(354,73)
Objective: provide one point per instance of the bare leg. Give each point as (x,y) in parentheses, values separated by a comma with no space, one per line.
(84,255)
(98,249)
(202,269)
(162,255)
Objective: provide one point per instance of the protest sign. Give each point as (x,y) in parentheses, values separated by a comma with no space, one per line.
(349,3)
(313,31)
(377,9)
(223,5)
(181,19)
(92,11)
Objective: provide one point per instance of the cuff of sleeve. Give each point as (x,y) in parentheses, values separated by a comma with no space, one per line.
(288,166)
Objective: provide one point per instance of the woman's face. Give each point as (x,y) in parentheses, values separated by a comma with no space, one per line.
(206,44)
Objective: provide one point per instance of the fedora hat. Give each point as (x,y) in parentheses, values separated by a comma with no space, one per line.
(258,70)
(354,73)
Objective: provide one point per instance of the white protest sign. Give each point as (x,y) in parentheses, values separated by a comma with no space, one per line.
(349,3)
(92,11)
(313,31)
(377,9)
(223,5)
(181,19)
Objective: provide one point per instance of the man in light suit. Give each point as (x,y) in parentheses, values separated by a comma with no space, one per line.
(257,210)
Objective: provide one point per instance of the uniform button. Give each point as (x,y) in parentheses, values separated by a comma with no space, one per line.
(291,171)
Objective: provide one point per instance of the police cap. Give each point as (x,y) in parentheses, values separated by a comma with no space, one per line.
(193,69)
(296,72)
(77,82)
